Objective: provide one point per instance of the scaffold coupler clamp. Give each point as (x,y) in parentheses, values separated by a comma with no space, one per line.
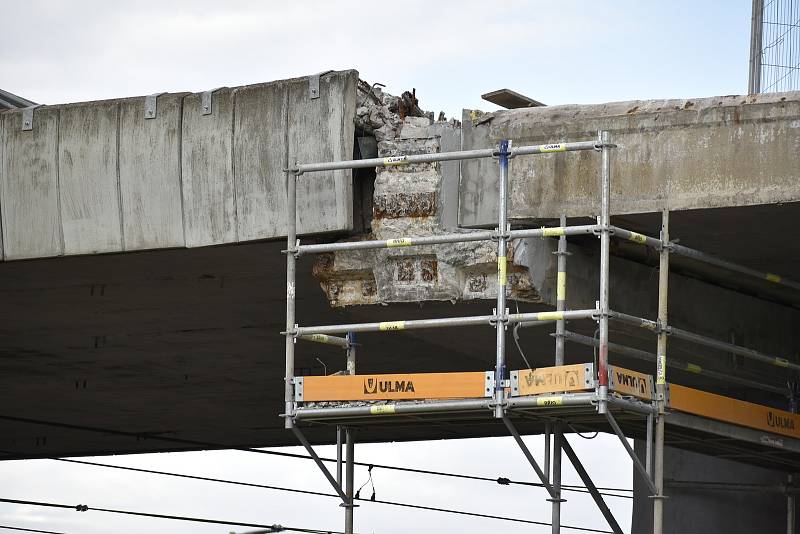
(598,146)
(508,153)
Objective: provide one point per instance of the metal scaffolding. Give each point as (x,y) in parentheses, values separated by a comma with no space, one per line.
(499,402)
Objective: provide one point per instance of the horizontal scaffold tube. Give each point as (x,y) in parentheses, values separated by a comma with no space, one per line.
(554,400)
(327,340)
(397,408)
(676,364)
(393,161)
(621,233)
(713,260)
(465,237)
(705,341)
(735,349)
(703,257)
(417,324)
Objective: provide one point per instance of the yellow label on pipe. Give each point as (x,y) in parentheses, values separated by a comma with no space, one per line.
(637,238)
(399,242)
(382,409)
(553,147)
(502,266)
(549,401)
(553,232)
(550,316)
(561,286)
(692,368)
(773,278)
(661,370)
(392,325)
(782,362)
(319,338)
(395,160)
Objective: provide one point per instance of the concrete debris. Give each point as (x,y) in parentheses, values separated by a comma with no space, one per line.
(410,200)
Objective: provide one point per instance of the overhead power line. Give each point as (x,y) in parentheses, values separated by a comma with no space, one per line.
(500,480)
(85,508)
(311,492)
(6,527)
(279,528)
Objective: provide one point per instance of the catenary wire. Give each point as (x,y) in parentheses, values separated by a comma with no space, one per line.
(7,527)
(140,435)
(85,508)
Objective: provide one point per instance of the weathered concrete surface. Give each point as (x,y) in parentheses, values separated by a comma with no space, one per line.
(87,177)
(417,200)
(209,194)
(31,215)
(98,177)
(675,154)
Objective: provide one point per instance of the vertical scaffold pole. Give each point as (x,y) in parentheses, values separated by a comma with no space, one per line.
(791,506)
(605,247)
(350,445)
(661,374)
(561,305)
(291,271)
(339,434)
(502,245)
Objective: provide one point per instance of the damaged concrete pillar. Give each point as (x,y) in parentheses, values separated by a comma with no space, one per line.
(417,200)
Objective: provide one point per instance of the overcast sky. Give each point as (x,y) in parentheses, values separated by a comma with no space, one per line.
(451,52)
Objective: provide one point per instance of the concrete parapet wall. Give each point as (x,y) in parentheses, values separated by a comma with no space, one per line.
(673,154)
(99,177)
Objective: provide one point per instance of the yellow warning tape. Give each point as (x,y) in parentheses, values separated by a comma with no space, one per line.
(392,325)
(781,362)
(553,147)
(319,338)
(382,409)
(553,232)
(502,267)
(773,278)
(395,160)
(549,401)
(692,368)
(550,316)
(561,286)
(399,242)
(637,238)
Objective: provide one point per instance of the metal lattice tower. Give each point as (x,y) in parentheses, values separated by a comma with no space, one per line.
(775,46)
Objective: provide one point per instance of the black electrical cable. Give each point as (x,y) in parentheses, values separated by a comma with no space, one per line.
(279,528)
(581,489)
(6,527)
(85,508)
(502,481)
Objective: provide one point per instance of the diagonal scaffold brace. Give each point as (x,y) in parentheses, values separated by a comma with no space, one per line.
(531,460)
(587,481)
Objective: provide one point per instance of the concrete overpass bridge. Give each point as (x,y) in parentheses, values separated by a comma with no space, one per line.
(144,284)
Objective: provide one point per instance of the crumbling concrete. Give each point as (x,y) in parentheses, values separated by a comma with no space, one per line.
(415,200)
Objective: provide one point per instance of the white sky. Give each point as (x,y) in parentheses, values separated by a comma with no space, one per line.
(452,52)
